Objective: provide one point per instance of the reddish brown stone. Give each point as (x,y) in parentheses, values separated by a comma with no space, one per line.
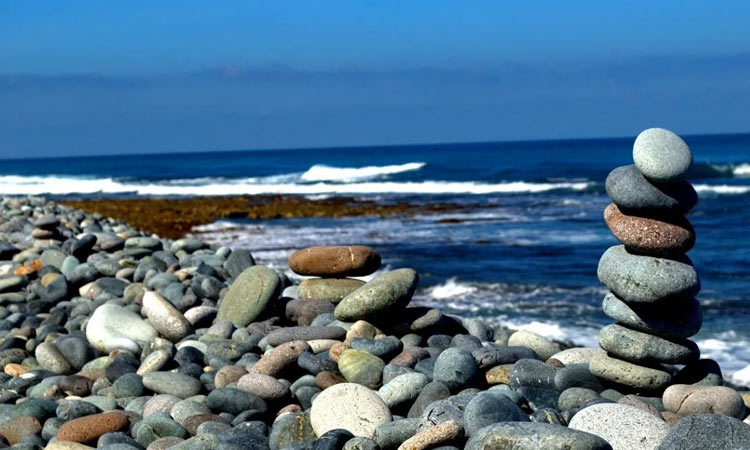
(410,356)
(14,429)
(89,428)
(289,409)
(326,379)
(335,351)
(335,261)
(193,422)
(658,237)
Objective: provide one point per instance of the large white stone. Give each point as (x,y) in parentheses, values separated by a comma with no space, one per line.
(114,327)
(349,406)
(625,427)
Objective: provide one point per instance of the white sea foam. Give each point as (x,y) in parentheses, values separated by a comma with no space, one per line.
(722,189)
(741,170)
(321,172)
(451,289)
(60,185)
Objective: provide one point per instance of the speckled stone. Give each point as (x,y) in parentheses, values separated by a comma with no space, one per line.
(384,294)
(540,344)
(707,431)
(650,236)
(433,437)
(351,407)
(623,426)
(264,386)
(455,368)
(335,261)
(628,374)
(684,399)
(165,318)
(89,428)
(646,279)
(637,346)
(177,384)
(671,321)
(13,430)
(661,156)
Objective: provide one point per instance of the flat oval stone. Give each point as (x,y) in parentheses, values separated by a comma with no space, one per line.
(282,335)
(633,193)
(540,344)
(534,436)
(112,327)
(661,156)
(383,294)
(263,386)
(646,279)
(672,236)
(404,388)
(331,289)
(279,358)
(672,321)
(164,317)
(249,295)
(350,407)
(177,384)
(335,261)
(685,399)
(89,428)
(622,426)
(637,346)
(494,355)
(361,368)
(627,373)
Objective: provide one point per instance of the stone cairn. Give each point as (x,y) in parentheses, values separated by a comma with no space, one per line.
(652,282)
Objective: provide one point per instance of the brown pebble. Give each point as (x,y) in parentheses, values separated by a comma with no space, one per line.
(326,379)
(164,443)
(336,350)
(361,329)
(90,428)
(77,385)
(193,422)
(289,409)
(434,436)
(670,417)
(659,237)
(410,356)
(15,370)
(227,375)
(686,399)
(14,429)
(279,358)
(555,363)
(499,374)
(311,308)
(335,261)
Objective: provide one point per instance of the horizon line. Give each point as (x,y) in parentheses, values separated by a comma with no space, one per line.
(365,146)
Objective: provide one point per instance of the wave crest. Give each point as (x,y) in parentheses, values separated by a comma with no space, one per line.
(322,172)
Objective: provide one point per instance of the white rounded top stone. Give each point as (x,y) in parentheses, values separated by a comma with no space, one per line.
(662,156)
(351,407)
(623,426)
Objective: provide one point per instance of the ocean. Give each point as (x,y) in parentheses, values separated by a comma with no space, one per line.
(522,250)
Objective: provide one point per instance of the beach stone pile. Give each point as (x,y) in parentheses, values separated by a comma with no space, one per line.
(116,339)
(652,282)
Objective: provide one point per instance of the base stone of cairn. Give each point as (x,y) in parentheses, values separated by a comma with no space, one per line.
(652,282)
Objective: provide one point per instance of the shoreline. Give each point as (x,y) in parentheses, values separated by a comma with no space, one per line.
(213,350)
(175,217)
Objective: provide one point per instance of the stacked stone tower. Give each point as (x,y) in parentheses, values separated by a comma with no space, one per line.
(652,281)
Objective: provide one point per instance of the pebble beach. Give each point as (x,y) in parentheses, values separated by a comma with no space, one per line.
(111,337)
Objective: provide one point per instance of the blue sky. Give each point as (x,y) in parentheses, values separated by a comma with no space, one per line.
(93,77)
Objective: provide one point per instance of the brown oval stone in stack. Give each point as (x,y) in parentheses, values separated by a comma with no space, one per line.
(665,237)
(90,428)
(335,261)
